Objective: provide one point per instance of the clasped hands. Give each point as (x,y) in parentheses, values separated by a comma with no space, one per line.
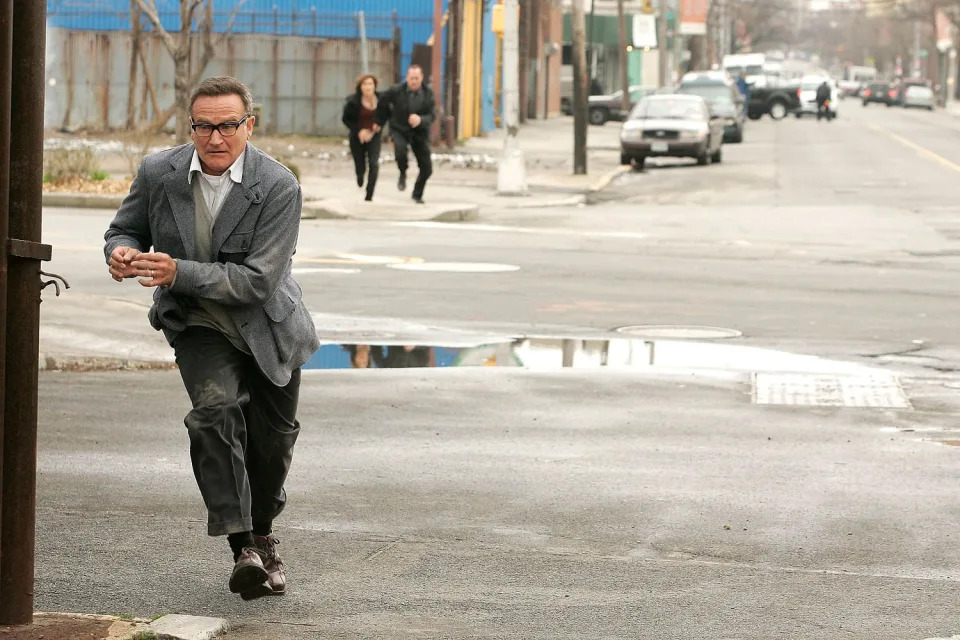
(366,135)
(157,269)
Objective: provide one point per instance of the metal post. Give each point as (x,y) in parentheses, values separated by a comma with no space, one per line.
(662,43)
(512,175)
(18,519)
(622,58)
(916,71)
(364,57)
(436,60)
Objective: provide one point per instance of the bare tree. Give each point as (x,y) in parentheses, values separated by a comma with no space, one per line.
(180,47)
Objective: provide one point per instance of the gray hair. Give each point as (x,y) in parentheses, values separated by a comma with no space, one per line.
(223,86)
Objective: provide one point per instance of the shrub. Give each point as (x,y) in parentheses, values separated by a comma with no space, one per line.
(61,164)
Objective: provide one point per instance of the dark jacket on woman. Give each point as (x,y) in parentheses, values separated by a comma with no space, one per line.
(351,111)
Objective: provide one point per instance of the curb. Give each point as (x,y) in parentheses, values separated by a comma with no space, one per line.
(82,200)
(609,177)
(77,364)
(179,627)
(168,627)
(332,210)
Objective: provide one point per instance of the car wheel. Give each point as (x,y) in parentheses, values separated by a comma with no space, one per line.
(717,157)
(929,108)
(598,116)
(738,136)
(778,110)
(754,116)
(799,115)
(704,158)
(638,163)
(624,158)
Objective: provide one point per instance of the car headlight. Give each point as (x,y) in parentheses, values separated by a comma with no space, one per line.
(693,134)
(631,133)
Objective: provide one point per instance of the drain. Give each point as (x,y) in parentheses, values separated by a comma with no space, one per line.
(677,332)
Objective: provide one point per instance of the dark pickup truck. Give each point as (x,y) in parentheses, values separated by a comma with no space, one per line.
(776,101)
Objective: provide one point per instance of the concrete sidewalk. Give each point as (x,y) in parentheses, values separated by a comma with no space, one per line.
(464,182)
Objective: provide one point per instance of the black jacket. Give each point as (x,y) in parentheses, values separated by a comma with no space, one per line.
(823,93)
(351,111)
(393,107)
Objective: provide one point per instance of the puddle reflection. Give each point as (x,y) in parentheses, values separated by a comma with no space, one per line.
(532,353)
(545,353)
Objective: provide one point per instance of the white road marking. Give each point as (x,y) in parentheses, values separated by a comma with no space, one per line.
(586,233)
(455,267)
(308,270)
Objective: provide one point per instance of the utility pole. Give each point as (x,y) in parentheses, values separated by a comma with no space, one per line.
(436,60)
(512,174)
(22,311)
(917,65)
(579,89)
(662,51)
(624,77)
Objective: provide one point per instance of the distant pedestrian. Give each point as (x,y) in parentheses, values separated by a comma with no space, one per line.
(744,89)
(212,226)
(359,115)
(823,100)
(410,109)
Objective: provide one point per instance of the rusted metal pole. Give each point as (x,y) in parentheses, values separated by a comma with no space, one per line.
(6,82)
(18,519)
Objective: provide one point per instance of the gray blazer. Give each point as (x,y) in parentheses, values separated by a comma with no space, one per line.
(254,239)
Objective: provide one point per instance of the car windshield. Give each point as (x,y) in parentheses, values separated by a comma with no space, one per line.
(714,94)
(811,86)
(668,109)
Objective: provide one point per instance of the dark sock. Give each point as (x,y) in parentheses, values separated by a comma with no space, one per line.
(238,541)
(262,527)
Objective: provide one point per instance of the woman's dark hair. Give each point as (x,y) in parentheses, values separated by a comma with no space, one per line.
(363,78)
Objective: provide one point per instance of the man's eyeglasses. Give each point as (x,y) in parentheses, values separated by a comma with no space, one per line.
(226,129)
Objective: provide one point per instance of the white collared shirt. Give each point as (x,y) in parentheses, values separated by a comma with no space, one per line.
(215,189)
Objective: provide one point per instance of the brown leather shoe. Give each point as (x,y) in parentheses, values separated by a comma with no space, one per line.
(249,577)
(267,545)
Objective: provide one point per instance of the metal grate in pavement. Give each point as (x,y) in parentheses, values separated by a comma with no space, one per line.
(828,390)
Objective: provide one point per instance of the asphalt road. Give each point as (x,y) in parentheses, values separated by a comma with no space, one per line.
(498,504)
(812,235)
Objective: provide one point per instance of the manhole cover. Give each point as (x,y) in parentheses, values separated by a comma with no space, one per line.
(677,332)
(455,267)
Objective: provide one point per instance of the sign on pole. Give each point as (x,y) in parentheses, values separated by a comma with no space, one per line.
(693,17)
(645,31)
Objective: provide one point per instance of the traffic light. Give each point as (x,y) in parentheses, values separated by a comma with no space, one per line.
(647,6)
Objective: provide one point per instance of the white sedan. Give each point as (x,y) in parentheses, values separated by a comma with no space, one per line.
(919,97)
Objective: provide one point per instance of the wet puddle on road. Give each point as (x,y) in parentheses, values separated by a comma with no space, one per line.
(777,377)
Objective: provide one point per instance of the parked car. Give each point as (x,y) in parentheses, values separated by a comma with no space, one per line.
(807,93)
(877,92)
(900,88)
(673,125)
(601,109)
(723,97)
(776,99)
(919,97)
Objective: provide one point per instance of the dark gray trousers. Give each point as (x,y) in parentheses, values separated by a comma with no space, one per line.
(242,430)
